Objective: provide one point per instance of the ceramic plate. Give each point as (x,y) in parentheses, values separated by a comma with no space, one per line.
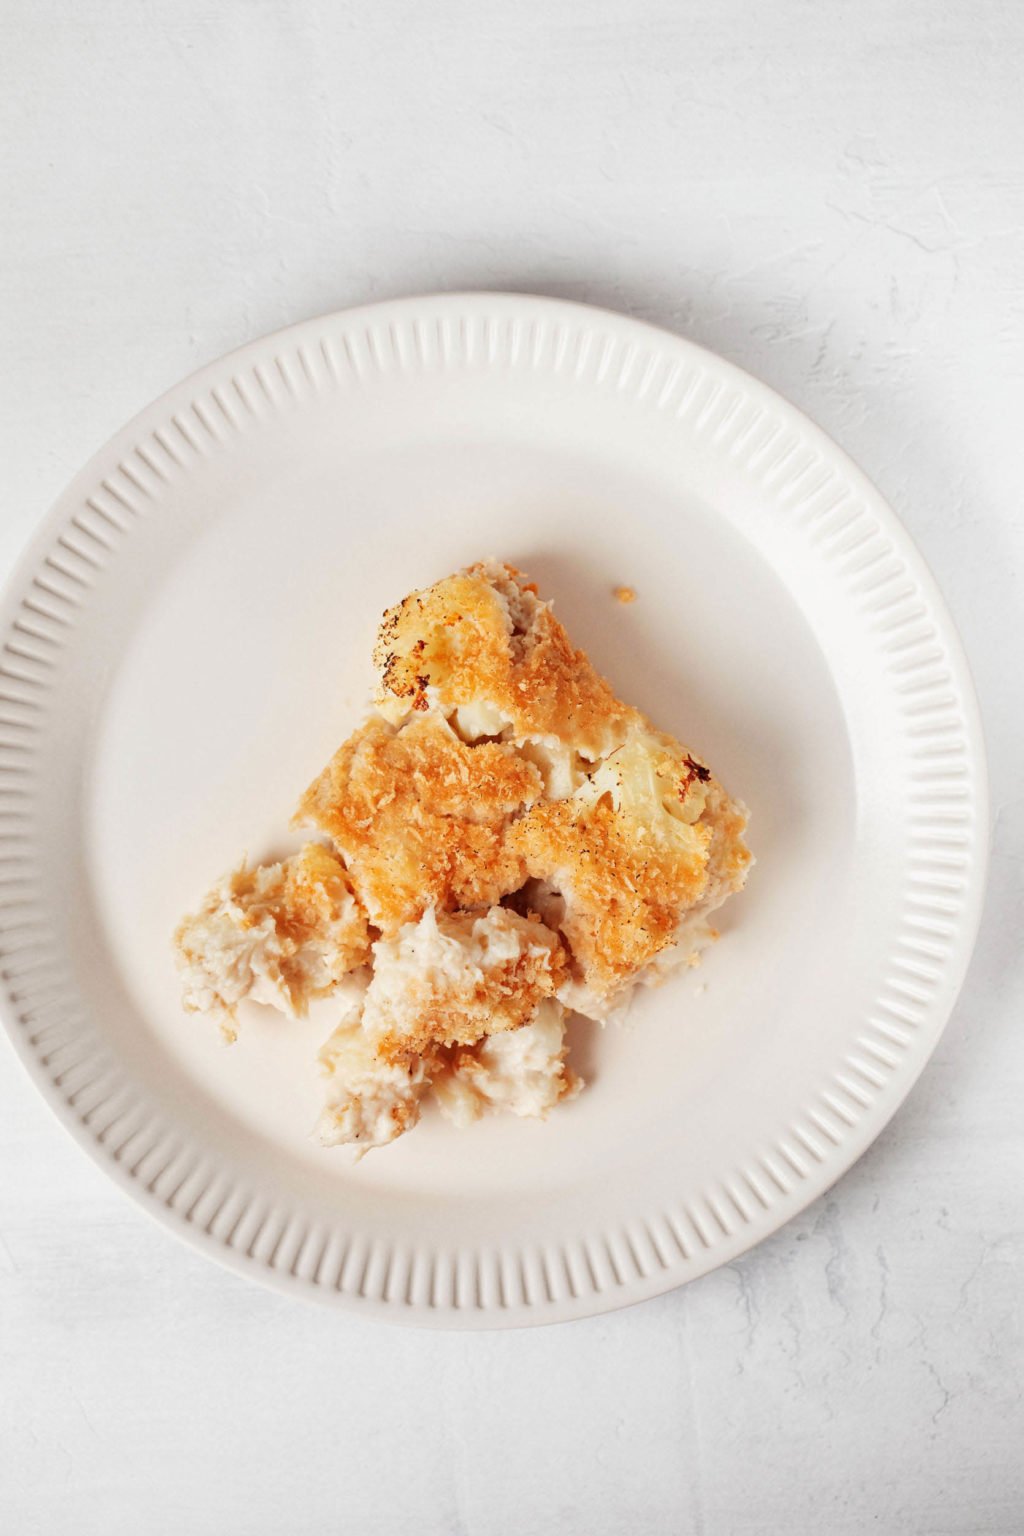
(187,640)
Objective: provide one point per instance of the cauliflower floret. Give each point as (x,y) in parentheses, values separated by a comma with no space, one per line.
(369,1101)
(522,1070)
(481,648)
(653,780)
(452,978)
(445,992)
(646,841)
(563,770)
(281,934)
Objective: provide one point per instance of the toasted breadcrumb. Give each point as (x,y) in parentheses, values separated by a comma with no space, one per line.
(453,979)
(649,837)
(484,639)
(421,818)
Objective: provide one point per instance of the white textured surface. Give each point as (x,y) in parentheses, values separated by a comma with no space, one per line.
(835,201)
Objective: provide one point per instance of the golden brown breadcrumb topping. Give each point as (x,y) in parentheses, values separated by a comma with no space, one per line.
(314,891)
(421,818)
(624,888)
(483,635)
(443,1010)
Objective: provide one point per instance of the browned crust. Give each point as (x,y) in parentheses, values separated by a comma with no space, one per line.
(316,888)
(420,818)
(506,997)
(456,638)
(625,890)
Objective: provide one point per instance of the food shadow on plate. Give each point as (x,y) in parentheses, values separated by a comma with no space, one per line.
(583,1041)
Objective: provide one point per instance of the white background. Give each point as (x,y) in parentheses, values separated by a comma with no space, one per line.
(833,197)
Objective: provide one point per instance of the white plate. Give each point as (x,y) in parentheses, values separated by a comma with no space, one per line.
(188,639)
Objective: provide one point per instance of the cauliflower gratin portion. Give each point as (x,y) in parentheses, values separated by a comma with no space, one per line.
(461,1006)
(507,842)
(453,979)
(521,1070)
(281,934)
